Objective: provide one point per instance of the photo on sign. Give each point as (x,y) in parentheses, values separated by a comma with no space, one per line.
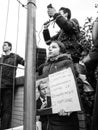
(43,97)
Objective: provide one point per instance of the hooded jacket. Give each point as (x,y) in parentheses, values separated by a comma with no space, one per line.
(53,65)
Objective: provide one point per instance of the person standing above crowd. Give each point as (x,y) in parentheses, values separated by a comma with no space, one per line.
(8,67)
(69,31)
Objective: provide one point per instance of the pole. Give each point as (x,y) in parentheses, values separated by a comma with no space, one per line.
(30,69)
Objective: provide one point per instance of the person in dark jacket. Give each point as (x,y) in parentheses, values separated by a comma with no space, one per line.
(68,34)
(8,67)
(56,61)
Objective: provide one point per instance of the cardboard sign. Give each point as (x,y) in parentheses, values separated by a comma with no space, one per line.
(62,90)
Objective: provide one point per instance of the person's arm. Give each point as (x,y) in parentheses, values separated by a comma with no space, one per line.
(46,36)
(66,25)
(20,60)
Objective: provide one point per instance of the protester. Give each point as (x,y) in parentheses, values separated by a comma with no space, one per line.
(8,66)
(56,61)
(68,34)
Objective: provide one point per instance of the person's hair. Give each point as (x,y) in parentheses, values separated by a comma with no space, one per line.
(66,10)
(9,44)
(39,87)
(41,82)
(76,23)
(61,45)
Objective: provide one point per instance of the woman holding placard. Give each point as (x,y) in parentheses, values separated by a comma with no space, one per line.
(58,60)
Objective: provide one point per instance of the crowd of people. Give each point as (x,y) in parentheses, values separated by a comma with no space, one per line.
(64,50)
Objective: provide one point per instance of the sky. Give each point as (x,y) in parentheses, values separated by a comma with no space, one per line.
(13,18)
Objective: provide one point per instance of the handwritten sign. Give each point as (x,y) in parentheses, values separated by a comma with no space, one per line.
(63,90)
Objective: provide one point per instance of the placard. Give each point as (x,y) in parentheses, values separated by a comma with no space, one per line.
(62,90)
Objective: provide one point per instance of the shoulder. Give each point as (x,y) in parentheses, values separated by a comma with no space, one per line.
(65,60)
(75,23)
(40,69)
(13,55)
(65,57)
(38,100)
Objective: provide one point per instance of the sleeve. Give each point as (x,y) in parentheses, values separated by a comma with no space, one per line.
(47,37)
(40,69)
(20,60)
(66,25)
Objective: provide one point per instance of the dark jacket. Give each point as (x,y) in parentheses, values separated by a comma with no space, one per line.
(55,65)
(50,67)
(46,110)
(8,67)
(39,102)
(68,34)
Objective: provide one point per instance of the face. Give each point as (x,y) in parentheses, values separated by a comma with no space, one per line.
(63,14)
(43,90)
(6,47)
(54,50)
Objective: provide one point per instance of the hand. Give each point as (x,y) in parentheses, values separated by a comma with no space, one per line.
(63,113)
(44,104)
(81,63)
(51,12)
(46,25)
(82,77)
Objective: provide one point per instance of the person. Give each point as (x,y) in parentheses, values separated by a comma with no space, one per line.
(68,34)
(8,66)
(91,63)
(57,60)
(44,101)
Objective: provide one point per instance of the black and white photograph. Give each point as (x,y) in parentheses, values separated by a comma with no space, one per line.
(49,65)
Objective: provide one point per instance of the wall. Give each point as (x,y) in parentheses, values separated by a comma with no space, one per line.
(17,113)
